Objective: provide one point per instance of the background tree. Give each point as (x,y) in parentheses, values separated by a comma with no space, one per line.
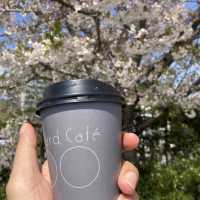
(148,50)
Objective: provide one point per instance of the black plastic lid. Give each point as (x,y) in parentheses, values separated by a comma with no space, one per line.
(80,90)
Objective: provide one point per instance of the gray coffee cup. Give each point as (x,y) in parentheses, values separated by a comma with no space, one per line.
(81,121)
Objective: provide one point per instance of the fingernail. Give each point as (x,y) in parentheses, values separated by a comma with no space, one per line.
(122,197)
(131,179)
(135,137)
(23,128)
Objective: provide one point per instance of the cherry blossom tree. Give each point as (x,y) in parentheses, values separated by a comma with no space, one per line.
(148,50)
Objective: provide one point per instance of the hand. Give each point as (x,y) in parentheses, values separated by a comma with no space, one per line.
(27,181)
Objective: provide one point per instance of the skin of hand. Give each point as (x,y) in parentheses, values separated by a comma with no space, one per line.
(28,181)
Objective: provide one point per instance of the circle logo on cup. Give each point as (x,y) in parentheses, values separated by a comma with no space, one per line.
(53,167)
(79,167)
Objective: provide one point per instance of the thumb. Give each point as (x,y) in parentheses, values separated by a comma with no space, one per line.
(25,162)
(128,178)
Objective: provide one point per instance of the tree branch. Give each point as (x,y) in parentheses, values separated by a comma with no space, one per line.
(98,31)
(196,18)
(137,99)
(149,122)
(65,4)
(84,11)
(6,87)
(49,67)
(195,83)
(9,10)
(92,13)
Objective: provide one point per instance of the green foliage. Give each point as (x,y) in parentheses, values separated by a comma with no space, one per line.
(179,180)
(54,34)
(57,27)
(4,116)
(2,192)
(4,174)
(168,30)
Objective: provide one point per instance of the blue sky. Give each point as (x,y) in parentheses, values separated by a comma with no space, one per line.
(191,4)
